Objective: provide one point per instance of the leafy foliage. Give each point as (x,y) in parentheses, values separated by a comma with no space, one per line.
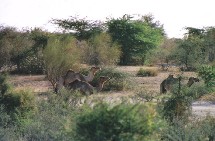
(17,48)
(13,46)
(57,119)
(178,105)
(209,43)
(121,122)
(181,131)
(60,55)
(101,51)
(136,37)
(202,130)
(208,75)
(83,29)
(189,52)
(33,64)
(4,86)
(24,101)
(118,80)
(164,53)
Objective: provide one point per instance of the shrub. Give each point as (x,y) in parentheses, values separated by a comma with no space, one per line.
(196,91)
(208,75)
(145,95)
(178,105)
(118,80)
(54,119)
(101,50)
(122,122)
(180,131)
(147,72)
(4,86)
(194,130)
(4,118)
(24,101)
(207,127)
(33,64)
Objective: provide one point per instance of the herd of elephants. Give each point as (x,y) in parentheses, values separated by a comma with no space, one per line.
(77,81)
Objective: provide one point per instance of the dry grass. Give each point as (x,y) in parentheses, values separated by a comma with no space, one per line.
(208,97)
(36,83)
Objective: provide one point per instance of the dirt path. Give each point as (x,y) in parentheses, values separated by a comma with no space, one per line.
(203,108)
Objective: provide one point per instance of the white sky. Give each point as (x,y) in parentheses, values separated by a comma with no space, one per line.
(173,14)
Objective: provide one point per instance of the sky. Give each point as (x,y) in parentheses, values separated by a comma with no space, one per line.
(175,15)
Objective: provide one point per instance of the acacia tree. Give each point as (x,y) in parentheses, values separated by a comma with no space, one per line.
(136,37)
(82,28)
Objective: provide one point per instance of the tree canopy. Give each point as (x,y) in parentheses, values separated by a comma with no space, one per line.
(136,37)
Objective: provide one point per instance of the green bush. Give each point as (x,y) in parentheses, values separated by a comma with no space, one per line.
(177,105)
(4,118)
(207,127)
(180,131)
(145,95)
(118,80)
(52,121)
(60,55)
(147,72)
(196,91)
(24,101)
(208,75)
(33,64)
(4,86)
(101,50)
(58,117)
(194,130)
(123,122)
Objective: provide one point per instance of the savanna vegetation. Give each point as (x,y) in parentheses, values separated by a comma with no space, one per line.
(68,115)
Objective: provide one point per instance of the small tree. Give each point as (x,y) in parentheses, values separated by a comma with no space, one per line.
(190,51)
(82,28)
(162,54)
(60,55)
(101,51)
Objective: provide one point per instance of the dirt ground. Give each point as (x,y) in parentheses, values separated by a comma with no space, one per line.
(39,84)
